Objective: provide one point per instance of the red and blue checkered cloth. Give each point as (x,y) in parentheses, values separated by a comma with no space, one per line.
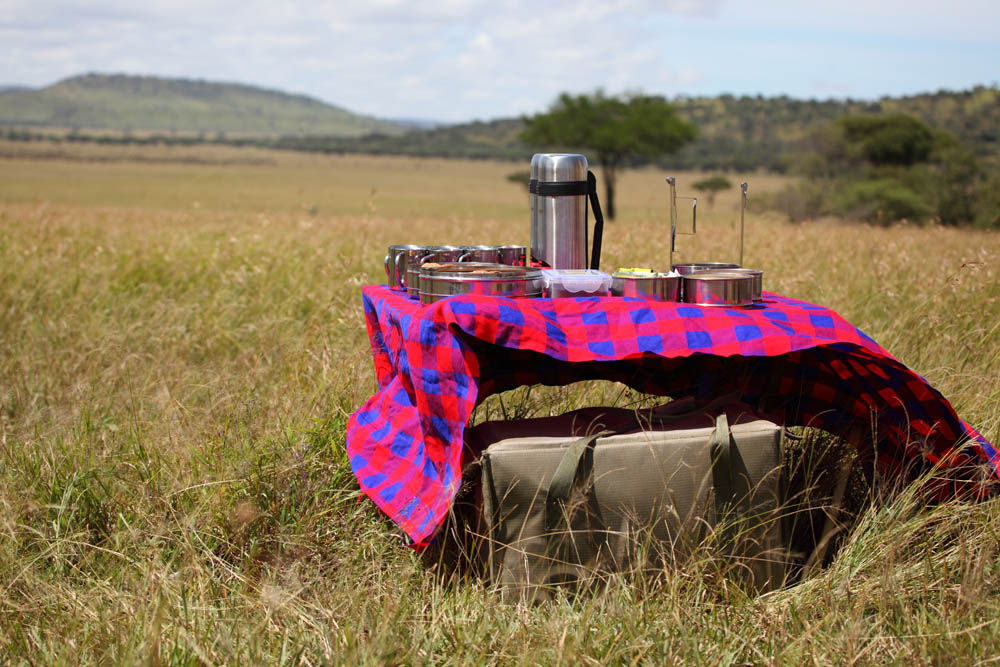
(795,362)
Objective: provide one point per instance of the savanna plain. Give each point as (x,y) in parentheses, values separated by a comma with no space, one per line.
(182,341)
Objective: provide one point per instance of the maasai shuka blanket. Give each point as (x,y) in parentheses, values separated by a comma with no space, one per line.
(796,363)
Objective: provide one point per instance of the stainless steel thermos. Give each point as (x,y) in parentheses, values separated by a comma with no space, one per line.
(559,187)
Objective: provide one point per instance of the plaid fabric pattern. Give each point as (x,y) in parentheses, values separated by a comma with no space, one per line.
(797,363)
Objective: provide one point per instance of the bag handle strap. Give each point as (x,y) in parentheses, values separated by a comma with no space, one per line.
(729,477)
(720,451)
(571,469)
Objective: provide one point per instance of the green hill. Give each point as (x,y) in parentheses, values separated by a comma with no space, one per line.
(740,133)
(145,103)
(497,139)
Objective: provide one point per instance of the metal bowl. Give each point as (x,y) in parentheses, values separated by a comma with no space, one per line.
(439,281)
(719,288)
(655,286)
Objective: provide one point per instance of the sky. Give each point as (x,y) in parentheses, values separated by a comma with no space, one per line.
(461,60)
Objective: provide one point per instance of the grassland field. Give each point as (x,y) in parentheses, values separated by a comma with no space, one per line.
(181,342)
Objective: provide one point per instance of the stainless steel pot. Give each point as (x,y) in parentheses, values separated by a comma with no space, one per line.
(439,281)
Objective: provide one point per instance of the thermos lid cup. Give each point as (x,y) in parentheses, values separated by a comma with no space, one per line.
(558,167)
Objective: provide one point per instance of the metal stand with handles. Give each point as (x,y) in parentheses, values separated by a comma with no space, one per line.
(672,182)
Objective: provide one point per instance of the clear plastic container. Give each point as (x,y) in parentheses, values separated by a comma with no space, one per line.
(558,283)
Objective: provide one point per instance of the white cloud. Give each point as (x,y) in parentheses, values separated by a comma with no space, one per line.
(909,19)
(460,59)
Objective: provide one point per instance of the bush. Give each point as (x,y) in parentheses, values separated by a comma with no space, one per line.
(882,201)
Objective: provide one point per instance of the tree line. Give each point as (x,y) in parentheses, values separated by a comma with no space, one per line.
(925,157)
(889,167)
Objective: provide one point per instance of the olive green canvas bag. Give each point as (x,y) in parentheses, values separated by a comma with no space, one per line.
(632,494)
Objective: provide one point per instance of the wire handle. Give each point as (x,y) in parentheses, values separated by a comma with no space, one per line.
(744,204)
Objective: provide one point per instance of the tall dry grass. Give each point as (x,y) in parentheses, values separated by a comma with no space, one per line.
(180,344)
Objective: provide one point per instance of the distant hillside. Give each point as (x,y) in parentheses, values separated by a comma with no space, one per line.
(145,103)
(497,139)
(741,133)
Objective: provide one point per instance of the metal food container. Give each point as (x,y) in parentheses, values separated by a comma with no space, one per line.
(439,281)
(758,282)
(758,275)
(691,267)
(719,288)
(655,286)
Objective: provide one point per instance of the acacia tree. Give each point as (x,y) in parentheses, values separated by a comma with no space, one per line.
(710,186)
(616,129)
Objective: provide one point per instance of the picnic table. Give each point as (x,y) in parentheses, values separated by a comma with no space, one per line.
(796,363)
